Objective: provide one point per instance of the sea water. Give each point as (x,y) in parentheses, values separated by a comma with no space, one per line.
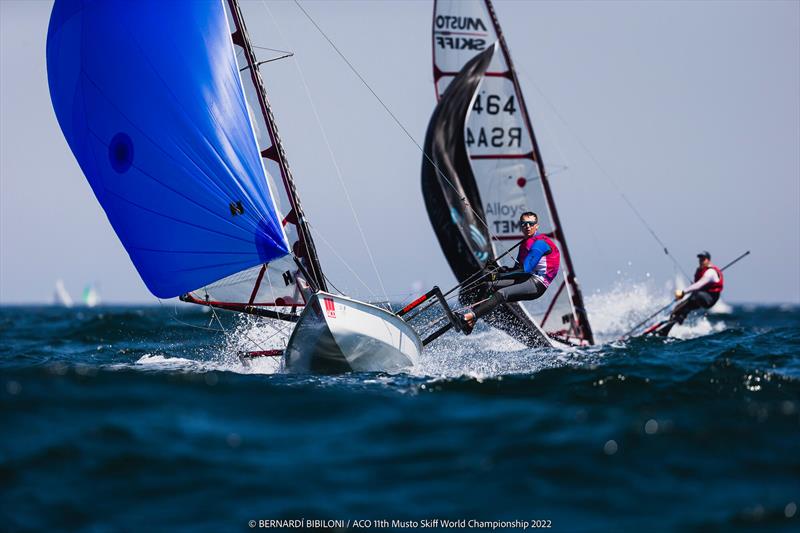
(143,418)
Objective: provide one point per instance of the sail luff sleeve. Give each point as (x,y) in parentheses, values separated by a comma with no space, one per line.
(149,100)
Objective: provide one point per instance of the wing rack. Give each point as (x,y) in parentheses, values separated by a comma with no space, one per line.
(435,296)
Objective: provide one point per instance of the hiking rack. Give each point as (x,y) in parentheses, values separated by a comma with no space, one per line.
(435,294)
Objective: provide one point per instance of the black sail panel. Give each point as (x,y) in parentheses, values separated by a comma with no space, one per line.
(450,191)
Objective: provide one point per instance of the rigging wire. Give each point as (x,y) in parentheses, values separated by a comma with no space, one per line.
(285,55)
(272,130)
(335,165)
(221,329)
(345,263)
(441,174)
(187,324)
(273,50)
(327,279)
(184,323)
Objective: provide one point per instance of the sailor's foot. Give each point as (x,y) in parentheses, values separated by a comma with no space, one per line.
(467,321)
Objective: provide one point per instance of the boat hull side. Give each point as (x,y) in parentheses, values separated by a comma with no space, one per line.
(337,334)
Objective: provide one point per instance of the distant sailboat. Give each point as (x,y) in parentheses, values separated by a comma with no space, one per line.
(164,107)
(483,168)
(61,296)
(91,297)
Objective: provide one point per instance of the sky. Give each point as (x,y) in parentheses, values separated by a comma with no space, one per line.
(689,109)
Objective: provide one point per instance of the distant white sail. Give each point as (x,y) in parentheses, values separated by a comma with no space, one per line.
(61,296)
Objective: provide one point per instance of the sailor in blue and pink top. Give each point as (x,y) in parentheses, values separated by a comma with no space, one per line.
(539,256)
(537,265)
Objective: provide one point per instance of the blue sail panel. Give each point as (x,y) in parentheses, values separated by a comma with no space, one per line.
(148,96)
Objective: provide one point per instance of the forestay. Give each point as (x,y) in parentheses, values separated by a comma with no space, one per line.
(504,158)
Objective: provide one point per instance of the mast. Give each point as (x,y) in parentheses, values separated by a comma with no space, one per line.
(306,252)
(577,296)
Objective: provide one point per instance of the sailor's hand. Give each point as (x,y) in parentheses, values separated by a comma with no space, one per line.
(503,269)
(678,294)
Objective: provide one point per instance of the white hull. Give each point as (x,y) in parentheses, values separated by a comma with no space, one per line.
(337,334)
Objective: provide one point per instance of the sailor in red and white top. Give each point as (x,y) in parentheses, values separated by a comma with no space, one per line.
(704,292)
(538,260)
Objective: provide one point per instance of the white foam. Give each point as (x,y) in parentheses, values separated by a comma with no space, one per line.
(486,353)
(222,362)
(253,334)
(249,334)
(696,328)
(612,313)
(721,308)
(163,362)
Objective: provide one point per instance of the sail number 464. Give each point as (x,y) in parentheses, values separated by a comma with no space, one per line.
(493,105)
(496,137)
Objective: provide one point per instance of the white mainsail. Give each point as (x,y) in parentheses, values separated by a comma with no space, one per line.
(61,296)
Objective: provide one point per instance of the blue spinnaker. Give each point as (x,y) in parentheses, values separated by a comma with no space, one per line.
(148,96)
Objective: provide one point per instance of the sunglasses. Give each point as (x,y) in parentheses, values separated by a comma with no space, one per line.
(527,224)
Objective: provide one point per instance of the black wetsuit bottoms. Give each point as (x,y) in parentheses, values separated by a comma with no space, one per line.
(697,300)
(511,287)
